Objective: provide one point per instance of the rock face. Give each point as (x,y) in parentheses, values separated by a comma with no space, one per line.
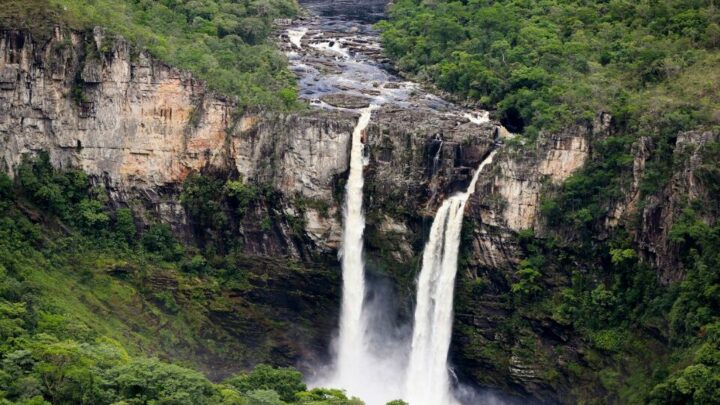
(664,208)
(139,127)
(140,122)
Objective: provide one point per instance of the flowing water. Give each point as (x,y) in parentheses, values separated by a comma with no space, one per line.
(338,52)
(353,355)
(337,57)
(428,382)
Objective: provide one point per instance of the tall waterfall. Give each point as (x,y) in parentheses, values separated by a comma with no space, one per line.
(427,380)
(352,348)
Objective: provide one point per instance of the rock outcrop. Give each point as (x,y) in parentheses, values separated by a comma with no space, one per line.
(140,127)
(662,209)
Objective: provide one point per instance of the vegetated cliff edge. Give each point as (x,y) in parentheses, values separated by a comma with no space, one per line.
(140,128)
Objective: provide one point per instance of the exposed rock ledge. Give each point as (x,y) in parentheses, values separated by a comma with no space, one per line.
(140,127)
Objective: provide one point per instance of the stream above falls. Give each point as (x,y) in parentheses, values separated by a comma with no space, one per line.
(338,59)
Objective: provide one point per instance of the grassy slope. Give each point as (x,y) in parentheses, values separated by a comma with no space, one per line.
(79,292)
(87,289)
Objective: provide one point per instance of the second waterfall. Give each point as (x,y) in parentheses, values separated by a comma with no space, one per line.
(427,381)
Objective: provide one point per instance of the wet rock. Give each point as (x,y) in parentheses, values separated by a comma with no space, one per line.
(344,100)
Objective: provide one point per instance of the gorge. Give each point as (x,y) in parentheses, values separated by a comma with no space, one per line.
(349,48)
(368,211)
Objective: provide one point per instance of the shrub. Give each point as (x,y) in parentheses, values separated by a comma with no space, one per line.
(285,381)
(159,239)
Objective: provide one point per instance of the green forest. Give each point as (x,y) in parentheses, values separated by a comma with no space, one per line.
(548,65)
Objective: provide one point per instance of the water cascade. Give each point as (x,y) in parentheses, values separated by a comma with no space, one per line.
(427,379)
(372,353)
(296,36)
(354,360)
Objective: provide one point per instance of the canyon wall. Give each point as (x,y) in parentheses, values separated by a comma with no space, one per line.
(139,127)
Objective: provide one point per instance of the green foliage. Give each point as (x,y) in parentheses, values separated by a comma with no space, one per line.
(64,194)
(65,296)
(263,397)
(224,42)
(216,204)
(528,284)
(196,265)
(125,225)
(697,304)
(149,380)
(6,187)
(324,396)
(37,16)
(159,239)
(200,198)
(549,64)
(286,382)
(611,340)
(698,383)
(528,278)
(240,194)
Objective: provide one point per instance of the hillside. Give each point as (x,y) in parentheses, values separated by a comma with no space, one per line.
(630,235)
(223,42)
(87,308)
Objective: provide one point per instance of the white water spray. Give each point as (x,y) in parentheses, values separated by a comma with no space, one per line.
(296,36)
(351,345)
(478,118)
(332,47)
(427,380)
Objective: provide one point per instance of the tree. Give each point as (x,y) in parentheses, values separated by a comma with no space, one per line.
(285,381)
(152,381)
(125,224)
(159,239)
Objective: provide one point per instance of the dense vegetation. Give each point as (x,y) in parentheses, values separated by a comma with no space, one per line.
(71,268)
(545,66)
(223,42)
(68,327)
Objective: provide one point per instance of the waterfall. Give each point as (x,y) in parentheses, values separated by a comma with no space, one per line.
(427,380)
(352,348)
(436,159)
